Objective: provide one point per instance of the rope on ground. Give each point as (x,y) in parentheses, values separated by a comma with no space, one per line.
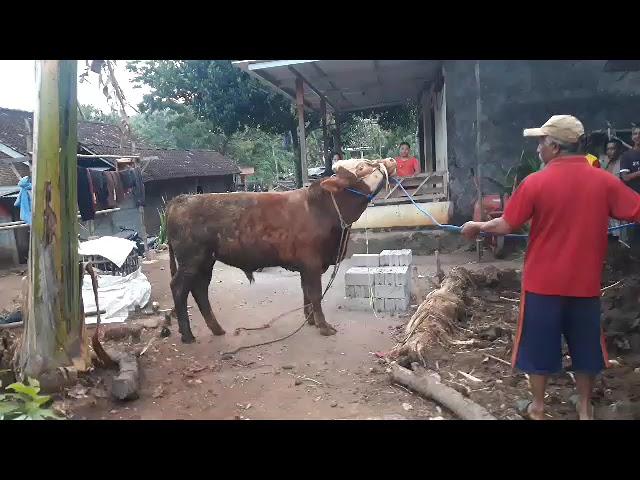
(342,250)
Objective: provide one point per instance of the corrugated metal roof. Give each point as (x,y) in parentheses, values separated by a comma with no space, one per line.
(348,85)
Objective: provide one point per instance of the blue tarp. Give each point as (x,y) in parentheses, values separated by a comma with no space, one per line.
(24,200)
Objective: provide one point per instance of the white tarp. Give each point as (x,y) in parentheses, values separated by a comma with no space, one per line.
(117,295)
(112,248)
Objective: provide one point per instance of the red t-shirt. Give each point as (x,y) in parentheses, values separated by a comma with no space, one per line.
(407,167)
(569,203)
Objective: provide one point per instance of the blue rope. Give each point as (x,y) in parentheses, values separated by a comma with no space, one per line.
(454,228)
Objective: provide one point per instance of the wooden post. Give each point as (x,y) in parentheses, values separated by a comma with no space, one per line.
(338,137)
(478,162)
(328,164)
(147,250)
(301,133)
(54,321)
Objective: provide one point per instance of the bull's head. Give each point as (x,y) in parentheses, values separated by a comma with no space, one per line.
(366,176)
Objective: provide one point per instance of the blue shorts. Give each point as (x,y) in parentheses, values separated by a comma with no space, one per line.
(544,319)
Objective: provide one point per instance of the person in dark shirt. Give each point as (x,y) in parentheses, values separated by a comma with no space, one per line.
(630,162)
(630,174)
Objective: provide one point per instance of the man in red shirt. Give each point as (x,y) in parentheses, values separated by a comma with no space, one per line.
(569,204)
(407,166)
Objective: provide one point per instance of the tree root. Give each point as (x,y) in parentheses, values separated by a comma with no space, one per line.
(433,322)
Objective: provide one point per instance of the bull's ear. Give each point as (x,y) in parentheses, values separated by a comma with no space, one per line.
(346,174)
(335,184)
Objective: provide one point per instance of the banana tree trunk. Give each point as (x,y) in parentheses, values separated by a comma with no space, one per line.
(54,323)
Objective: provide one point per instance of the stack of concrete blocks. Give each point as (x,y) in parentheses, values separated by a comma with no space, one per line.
(385,277)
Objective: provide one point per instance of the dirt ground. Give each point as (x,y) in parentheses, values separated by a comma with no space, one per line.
(304,377)
(309,376)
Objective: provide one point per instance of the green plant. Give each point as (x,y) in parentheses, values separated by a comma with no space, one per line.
(26,403)
(162,236)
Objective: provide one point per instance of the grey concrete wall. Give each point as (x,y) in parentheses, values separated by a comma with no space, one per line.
(109,223)
(518,94)
(157,190)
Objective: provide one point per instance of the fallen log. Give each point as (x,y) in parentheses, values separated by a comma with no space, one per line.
(125,384)
(431,388)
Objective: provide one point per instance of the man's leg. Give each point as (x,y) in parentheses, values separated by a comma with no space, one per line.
(584,386)
(583,332)
(537,349)
(538,387)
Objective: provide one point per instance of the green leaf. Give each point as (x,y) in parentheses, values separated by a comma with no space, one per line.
(8,407)
(48,414)
(29,391)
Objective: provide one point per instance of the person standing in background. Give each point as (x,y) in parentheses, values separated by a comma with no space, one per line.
(408,165)
(612,165)
(630,175)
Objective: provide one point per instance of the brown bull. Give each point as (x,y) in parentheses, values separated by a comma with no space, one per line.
(299,230)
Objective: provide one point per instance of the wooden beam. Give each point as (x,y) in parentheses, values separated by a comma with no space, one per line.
(325,136)
(338,137)
(7,150)
(95,155)
(314,89)
(301,130)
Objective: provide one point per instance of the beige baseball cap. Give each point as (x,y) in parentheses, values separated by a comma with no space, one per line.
(566,128)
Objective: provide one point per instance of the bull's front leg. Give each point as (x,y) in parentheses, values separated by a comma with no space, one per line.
(312,279)
(308,308)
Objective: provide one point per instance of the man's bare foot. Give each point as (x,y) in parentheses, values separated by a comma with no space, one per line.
(586,413)
(530,411)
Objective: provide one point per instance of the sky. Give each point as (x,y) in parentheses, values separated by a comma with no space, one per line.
(18,86)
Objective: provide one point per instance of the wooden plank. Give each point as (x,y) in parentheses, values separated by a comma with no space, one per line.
(402,200)
(301,130)
(325,137)
(10,161)
(7,150)
(15,171)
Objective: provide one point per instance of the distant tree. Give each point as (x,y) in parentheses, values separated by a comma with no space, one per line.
(225,98)
(93,114)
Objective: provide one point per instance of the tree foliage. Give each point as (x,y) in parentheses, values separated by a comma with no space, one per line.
(227,99)
(93,114)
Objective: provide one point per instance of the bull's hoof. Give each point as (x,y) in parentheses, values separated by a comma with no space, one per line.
(188,338)
(311,320)
(218,331)
(327,330)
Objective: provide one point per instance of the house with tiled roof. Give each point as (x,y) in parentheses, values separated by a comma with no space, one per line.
(166,173)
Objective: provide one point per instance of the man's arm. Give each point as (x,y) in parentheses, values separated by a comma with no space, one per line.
(416,166)
(627,177)
(626,165)
(518,211)
(624,202)
(497,226)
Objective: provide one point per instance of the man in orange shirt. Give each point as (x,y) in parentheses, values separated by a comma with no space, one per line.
(408,166)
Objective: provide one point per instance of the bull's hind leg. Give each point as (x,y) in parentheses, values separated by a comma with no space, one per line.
(308,308)
(313,282)
(200,291)
(180,286)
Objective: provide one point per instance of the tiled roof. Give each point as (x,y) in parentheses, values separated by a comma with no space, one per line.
(105,139)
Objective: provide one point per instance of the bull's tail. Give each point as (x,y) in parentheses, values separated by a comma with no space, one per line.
(172,261)
(249,275)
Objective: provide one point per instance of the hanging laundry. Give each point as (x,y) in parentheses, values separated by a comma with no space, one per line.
(128,179)
(100,190)
(138,188)
(85,195)
(111,190)
(24,200)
